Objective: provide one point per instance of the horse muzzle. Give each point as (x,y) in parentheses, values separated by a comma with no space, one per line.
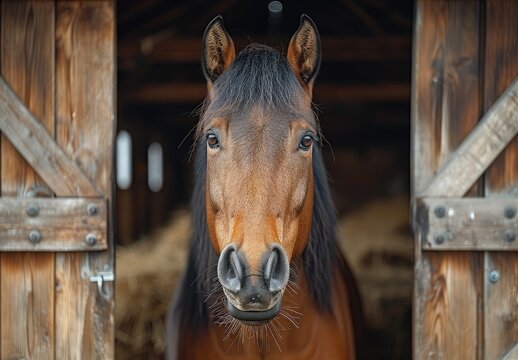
(253,298)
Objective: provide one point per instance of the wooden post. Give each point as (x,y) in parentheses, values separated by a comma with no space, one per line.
(58,58)
(85,78)
(27,283)
(445,107)
(501,68)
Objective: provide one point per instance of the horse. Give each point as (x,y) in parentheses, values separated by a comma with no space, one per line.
(264,277)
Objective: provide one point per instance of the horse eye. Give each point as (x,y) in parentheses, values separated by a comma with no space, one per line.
(212,141)
(306,142)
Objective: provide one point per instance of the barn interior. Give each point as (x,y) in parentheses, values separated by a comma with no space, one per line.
(362,96)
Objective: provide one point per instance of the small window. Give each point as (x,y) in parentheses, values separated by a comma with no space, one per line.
(155,167)
(124,160)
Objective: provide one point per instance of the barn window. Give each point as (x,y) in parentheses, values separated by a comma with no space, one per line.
(124,160)
(155,167)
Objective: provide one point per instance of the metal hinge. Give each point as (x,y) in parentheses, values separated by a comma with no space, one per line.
(101,278)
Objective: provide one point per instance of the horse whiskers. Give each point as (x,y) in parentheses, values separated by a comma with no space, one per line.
(292,287)
(203,273)
(263,336)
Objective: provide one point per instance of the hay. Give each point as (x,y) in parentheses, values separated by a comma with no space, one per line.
(147,272)
(377,243)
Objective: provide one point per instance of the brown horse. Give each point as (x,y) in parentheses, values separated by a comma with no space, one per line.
(265,279)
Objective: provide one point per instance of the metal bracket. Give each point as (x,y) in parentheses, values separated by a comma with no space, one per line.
(101,278)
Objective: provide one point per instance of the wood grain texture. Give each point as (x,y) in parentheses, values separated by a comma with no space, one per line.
(63,224)
(501,68)
(85,116)
(446,105)
(445,95)
(478,151)
(38,148)
(452,294)
(475,224)
(501,306)
(27,283)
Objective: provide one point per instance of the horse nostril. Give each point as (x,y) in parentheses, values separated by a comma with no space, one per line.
(236,265)
(230,270)
(276,269)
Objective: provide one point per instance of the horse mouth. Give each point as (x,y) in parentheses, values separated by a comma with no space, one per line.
(254,318)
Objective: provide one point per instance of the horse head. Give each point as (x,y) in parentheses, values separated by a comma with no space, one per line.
(259,132)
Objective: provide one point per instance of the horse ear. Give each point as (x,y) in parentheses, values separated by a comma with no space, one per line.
(218,50)
(304,52)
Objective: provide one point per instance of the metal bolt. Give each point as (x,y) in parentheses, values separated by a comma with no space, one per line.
(510,212)
(509,235)
(494,276)
(90,239)
(92,209)
(440,238)
(33,210)
(440,211)
(34,236)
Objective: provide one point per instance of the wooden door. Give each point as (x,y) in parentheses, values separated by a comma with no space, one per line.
(57,121)
(465,113)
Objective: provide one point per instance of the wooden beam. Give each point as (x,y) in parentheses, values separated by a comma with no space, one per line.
(85,129)
(53,224)
(195,93)
(36,145)
(475,224)
(187,50)
(492,134)
(28,280)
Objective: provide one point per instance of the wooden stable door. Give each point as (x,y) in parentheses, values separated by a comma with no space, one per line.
(465,179)
(57,119)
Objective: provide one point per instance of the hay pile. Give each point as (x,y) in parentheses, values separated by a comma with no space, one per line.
(147,272)
(376,240)
(377,243)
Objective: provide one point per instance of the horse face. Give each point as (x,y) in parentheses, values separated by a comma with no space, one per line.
(259,182)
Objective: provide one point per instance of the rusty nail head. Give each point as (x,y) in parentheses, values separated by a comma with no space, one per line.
(92,209)
(440,211)
(510,212)
(494,276)
(33,210)
(90,239)
(34,236)
(510,235)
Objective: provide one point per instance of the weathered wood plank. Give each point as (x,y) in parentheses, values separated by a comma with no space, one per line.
(501,180)
(27,306)
(445,100)
(501,69)
(500,305)
(475,224)
(451,292)
(445,108)
(62,224)
(27,284)
(37,146)
(85,113)
(512,354)
(496,129)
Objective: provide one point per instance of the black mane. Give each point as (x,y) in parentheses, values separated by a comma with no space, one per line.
(264,77)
